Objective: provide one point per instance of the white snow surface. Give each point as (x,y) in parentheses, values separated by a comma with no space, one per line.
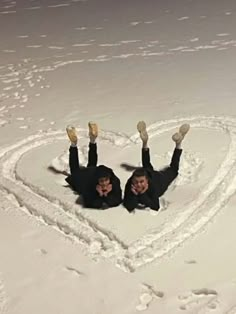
(117,62)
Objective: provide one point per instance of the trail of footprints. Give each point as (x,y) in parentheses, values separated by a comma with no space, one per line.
(25,80)
(147,49)
(199,300)
(135,47)
(147,296)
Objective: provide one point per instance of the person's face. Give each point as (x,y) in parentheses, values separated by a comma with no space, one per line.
(140,183)
(104,182)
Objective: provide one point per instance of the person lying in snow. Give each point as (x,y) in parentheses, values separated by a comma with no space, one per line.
(98,185)
(146,185)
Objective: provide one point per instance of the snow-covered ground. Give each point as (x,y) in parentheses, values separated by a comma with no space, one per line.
(117,62)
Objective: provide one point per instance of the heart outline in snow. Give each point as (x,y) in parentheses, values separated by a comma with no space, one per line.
(99,242)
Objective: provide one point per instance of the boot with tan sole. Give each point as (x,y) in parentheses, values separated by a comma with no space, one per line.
(142,129)
(93,131)
(179,136)
(71,132)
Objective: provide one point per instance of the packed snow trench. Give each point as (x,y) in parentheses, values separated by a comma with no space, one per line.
(69,62)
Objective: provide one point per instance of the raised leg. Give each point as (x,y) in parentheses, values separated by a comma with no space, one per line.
(168,175)
(174,165)
(141,127)
(92,153)
(73,151)
(74,160)
(146,163)
(165,177)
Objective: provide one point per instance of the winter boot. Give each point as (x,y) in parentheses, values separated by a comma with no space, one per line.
(179,136)
(184,128)
(71,132)
(141,127)
(93,131)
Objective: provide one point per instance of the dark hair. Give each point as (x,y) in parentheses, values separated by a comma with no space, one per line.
(140,172)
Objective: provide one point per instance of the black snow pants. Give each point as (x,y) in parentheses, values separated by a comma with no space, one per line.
(80,176)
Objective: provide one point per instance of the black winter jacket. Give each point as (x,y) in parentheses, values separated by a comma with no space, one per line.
(85,180)
(158,182)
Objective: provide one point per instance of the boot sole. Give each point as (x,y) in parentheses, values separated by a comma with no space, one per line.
(184,128)
(177,137)
(93,129)
(142,129)
(71,132)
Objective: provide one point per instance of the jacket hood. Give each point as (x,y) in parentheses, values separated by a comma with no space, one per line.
(103,171)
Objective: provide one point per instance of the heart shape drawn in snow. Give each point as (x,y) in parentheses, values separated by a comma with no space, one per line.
(153,246)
